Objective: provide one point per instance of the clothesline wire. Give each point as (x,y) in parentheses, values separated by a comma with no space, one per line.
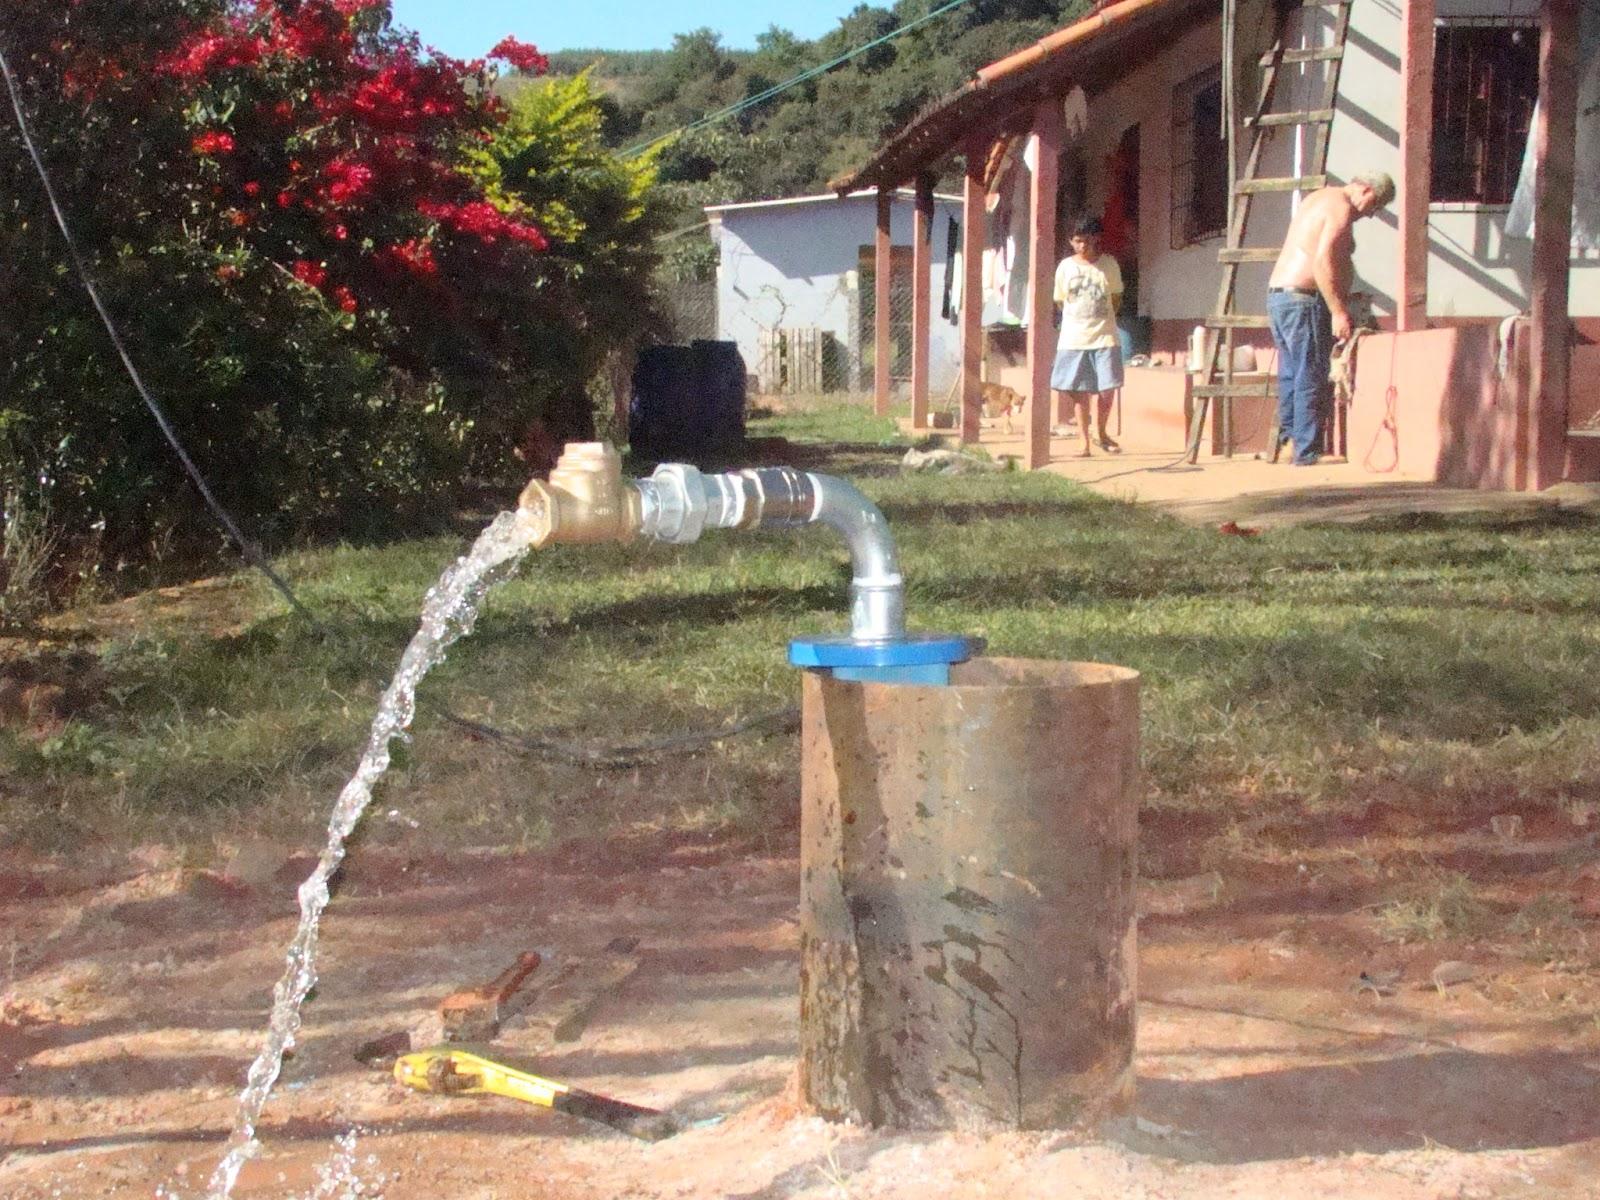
(778,88)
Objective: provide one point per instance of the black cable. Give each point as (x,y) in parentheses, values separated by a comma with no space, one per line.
(780,720)
(252,555)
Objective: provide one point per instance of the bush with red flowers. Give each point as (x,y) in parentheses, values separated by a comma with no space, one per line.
(286,205)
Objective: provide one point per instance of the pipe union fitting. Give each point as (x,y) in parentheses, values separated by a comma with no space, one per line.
(678,513)
(784,496)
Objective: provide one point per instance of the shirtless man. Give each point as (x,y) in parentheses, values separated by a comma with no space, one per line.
(1307,303)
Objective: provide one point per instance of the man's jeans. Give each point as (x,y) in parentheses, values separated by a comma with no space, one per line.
(1302,329)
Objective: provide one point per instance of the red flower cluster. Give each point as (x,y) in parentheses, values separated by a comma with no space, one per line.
(484,221)
(213,142)
(345,181)
(406,94)
(309,273)
(414,255)
(522,55)
(316,29)
(209,52)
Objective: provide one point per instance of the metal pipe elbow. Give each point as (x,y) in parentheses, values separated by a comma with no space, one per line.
(877,589)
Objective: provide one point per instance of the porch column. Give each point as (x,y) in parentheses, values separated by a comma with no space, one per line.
(974,226)
(1046,139)
(1550,346)
(882,266)
(1416,162)
(921,297)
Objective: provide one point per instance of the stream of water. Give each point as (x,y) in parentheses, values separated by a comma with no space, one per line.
(448,613)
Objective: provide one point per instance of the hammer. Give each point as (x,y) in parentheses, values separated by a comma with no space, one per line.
(473,1015)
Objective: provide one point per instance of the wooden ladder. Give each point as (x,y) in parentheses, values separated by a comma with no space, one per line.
(1218,383)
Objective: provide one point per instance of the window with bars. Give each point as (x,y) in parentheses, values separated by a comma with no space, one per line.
(1485,82)
(1199,160)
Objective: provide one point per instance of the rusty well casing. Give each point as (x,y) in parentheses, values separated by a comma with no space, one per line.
(968,857)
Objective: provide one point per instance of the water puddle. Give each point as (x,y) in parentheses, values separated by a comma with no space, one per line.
(448,613)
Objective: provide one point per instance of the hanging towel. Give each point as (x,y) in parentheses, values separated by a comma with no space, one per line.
(1586,149)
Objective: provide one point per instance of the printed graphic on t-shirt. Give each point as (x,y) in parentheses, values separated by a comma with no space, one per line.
(1085,298)
(1087,293)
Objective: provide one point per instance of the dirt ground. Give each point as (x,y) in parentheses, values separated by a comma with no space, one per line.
(134,991)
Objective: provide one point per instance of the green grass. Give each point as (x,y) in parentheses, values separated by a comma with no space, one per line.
(1439,905)
(1447,664)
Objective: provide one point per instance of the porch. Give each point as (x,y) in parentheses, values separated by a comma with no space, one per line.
(1255,494)
(1453,405)
(1434,397)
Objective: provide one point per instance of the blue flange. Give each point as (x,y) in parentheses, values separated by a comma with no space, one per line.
(914,658)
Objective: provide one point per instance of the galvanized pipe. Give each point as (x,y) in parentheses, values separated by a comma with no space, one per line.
(877,590)
(678,504)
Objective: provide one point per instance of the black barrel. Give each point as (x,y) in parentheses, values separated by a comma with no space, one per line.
(688,401)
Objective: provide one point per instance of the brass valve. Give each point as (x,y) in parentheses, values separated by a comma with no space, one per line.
(585,500)
(588,500)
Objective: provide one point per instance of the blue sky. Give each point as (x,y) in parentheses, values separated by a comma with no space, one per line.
(466,28)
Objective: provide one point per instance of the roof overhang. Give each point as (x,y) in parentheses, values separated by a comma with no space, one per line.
(825,197)
(1093,52)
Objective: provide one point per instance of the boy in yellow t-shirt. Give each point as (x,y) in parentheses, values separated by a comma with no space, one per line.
(1088,355)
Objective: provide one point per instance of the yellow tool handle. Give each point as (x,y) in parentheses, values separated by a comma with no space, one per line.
(461,1071)
(448,1069)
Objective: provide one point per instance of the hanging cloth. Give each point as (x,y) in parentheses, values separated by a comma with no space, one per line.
(1008,178)
(1585,153)
(951,305)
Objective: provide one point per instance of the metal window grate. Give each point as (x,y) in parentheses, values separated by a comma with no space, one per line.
(901,283)
(1199,160)
(1485,82)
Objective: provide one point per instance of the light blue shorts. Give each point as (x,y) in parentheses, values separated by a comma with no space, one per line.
(1087,370)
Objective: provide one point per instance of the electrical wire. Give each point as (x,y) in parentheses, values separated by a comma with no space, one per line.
(781,720)
(778,88)
(247,548)
(777,721)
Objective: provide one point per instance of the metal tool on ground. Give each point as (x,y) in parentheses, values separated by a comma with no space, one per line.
(568,1001)
(460,1070)
(473,1015)
(381,1052)
(1379,983)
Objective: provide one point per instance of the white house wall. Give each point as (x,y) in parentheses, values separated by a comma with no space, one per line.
(1173,283)
(1473,269)
(782,266)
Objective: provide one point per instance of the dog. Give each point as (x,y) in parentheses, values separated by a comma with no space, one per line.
(999,402)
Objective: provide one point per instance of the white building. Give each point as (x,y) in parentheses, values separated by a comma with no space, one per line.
(806,264)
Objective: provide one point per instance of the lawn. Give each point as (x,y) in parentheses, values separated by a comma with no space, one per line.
(1445,666)
(1368,887)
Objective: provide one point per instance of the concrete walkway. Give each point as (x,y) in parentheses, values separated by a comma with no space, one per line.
(1251,491)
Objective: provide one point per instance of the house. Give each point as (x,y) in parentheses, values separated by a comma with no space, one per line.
(796,289)
(1477,378)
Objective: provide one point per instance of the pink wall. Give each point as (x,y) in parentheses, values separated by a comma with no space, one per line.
(1155,412)
(1584,409)
(1431,402)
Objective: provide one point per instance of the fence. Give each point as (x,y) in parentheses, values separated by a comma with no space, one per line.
(690,307)
(799,360)
(795,358)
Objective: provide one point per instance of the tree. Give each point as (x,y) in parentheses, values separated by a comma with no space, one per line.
(285,206)
(601,216)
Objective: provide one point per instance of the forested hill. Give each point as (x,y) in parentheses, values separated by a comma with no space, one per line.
(793,143)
